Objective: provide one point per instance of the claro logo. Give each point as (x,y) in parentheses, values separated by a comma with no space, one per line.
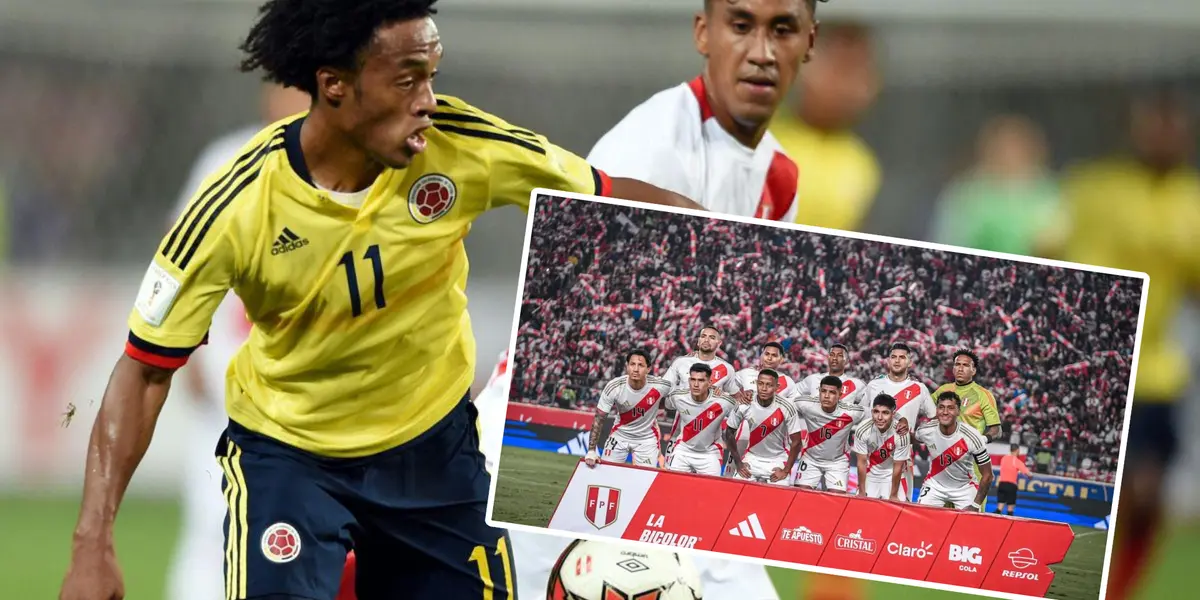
(920,551)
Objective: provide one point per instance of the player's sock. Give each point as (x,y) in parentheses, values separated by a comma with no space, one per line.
(1133,547)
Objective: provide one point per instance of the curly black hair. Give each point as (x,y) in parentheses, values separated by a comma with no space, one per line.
(293,38)
(968,354)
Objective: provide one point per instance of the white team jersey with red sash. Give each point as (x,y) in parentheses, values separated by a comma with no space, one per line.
(637,410)
(673,141)
(853,388)
(828,433)
(768,428)
(952,458)
(698,424)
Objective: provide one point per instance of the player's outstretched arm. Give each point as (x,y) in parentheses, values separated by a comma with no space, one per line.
(862,465)
(730,437)
(985,480)
(797,442)
(120,436)
(640,191)
(597,424)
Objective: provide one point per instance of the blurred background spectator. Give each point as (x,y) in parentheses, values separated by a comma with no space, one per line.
(839,173)
(103,111)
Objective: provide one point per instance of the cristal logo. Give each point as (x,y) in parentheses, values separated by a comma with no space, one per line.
(920,551)
(855,542)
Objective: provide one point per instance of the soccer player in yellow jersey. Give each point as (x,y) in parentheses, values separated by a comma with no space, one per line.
(1142,213)
(342,231)
(978,404)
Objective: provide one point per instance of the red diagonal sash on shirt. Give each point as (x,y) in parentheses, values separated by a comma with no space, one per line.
(711,413)
(719,373)
(947,457)
(885,451)
(642,407)
(766,428)
(906,395)
(827,431)
(848,388)
(782,385)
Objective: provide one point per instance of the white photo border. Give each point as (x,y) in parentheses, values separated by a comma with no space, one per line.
(512,344)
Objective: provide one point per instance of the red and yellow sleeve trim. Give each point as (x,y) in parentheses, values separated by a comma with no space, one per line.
(154,355)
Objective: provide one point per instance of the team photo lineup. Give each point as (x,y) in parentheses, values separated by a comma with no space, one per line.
(811,360)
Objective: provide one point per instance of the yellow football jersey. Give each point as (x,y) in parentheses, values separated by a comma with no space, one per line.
(839,174)
(1123,216)
(361,337)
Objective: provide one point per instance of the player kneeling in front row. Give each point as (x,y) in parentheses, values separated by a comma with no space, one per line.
(700,411)
(635,396)
(882,454)
(829,422)
(951,477)
(775,434)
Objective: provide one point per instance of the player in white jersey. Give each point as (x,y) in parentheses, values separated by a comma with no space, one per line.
(913,401)
(774,430)
(852,387)
(707,139)
(771,358)
(881,453)
(635,396)
(196,571)
(955,448)
(829,422)
(723,375)
(534,554)
(700,411)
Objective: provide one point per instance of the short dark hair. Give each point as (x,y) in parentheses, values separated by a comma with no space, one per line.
(638,352)
(1014,448)
(950,395)
(968,354)
(839,345)
(811,4)
(885,401)
(701,368)
(293,38)
(775,345)
(770,372)
(831,380)
(899,346)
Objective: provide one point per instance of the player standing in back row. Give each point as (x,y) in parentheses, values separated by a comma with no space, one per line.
(829,421)
(853,388)
(882,453)
(771,358)
(912,398)
(635,396)
(955,448)
(700,411)
(723,375)
(774,430)
(707,139)
(354,382)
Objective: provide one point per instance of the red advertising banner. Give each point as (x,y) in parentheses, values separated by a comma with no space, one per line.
(804,527)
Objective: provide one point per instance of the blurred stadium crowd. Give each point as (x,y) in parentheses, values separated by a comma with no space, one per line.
(1054,345)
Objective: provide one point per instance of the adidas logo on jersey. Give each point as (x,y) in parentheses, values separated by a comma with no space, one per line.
(749,527)
(287,241)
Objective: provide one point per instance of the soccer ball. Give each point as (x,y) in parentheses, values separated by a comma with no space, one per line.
(599,571)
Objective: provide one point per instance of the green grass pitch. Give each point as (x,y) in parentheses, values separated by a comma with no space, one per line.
(35,541)
(531,482)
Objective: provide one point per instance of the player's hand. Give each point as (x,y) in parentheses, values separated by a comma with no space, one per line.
(743,470)
(779,474)
(895,498)
(973,508)
(744,397)
(591,459)
(902,427)
(93,575)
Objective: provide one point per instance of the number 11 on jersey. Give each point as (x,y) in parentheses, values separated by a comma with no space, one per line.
(372,254)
